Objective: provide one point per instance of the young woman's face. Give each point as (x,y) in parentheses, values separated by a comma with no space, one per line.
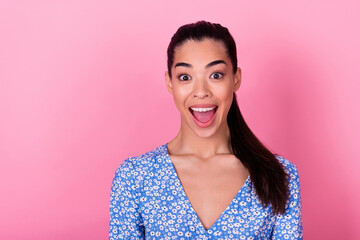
(202,85)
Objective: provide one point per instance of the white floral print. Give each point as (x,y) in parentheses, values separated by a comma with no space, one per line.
(147,201)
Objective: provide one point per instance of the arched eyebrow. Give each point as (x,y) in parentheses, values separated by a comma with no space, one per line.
(183,64)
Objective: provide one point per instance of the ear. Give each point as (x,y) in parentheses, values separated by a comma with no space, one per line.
(237,79)
(168,82)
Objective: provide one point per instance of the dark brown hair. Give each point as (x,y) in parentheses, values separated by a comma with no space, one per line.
(266,172)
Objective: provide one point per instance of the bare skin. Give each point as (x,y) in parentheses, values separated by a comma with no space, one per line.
(209,183)
(209,172)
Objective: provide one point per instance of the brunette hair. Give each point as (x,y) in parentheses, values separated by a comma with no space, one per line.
(266,172)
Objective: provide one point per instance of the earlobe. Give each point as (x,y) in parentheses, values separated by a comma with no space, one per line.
(168,82)
(237,79)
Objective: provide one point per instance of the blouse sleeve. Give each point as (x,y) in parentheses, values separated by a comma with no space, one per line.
(289,226)
(125,217)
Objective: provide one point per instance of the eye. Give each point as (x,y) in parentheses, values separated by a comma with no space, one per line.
(216,75)
(184,77)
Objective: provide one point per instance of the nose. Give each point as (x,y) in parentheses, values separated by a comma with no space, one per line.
(201,89)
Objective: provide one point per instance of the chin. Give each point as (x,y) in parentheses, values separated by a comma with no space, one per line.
(205,132)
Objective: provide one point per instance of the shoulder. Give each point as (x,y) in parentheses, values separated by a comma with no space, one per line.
(289,224)
(289,167)
(133,167)
(293,177)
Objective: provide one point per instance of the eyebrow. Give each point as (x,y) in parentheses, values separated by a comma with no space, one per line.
(182,64)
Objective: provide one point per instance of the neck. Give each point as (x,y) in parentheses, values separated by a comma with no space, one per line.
(187,142)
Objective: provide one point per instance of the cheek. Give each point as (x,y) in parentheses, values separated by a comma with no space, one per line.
(180,96)
(225,93)
(181,90)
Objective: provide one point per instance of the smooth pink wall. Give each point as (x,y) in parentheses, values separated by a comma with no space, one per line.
(82,88)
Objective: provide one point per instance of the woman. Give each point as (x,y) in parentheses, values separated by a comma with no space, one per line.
(215,179)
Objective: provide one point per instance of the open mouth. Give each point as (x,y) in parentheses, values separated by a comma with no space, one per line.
(203,114)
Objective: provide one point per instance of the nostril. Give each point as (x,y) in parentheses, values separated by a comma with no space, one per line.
(201,95)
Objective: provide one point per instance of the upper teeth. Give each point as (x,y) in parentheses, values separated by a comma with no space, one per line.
(202,109)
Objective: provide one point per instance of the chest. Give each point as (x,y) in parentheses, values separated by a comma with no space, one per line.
(167,210)
(210,186)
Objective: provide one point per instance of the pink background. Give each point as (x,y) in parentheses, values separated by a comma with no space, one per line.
(82,88)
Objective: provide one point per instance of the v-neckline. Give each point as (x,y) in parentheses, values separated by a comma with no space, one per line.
(172,167)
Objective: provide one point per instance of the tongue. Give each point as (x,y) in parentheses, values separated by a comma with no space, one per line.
(204,116)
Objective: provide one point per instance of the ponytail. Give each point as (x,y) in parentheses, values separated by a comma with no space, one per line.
(266,172)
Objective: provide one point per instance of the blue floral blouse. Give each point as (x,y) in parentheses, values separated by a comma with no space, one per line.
(147,201)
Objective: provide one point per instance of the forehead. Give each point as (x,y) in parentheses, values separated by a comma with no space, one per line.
(205,50)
